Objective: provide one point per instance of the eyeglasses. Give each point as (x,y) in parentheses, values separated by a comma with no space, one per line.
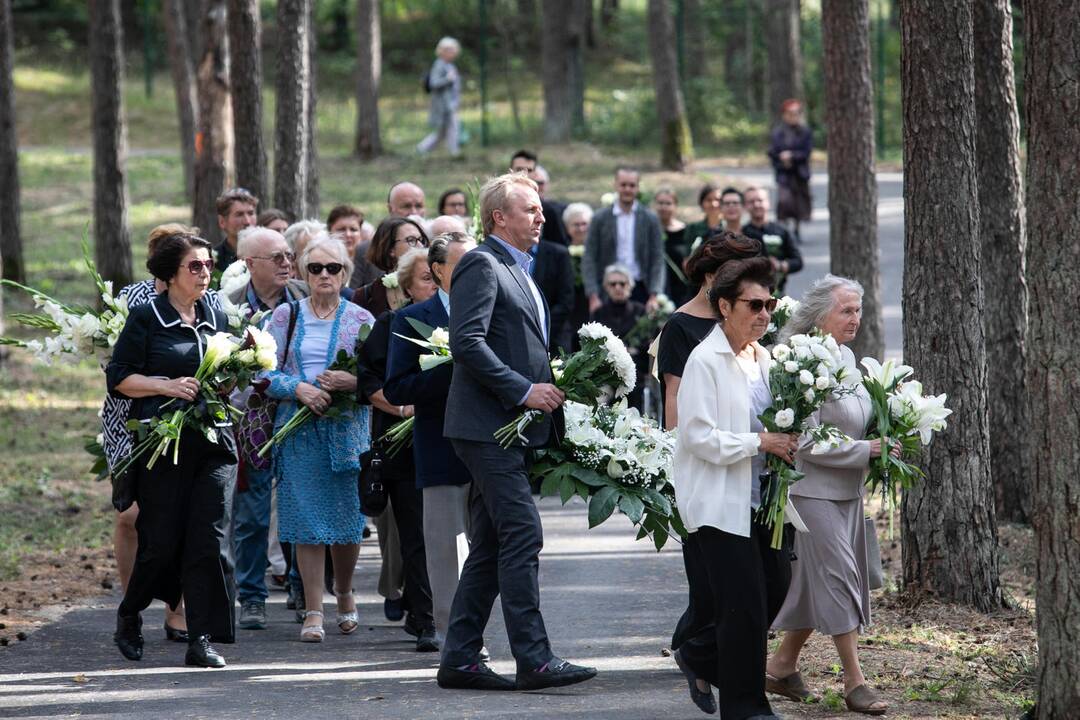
(317,268)
(617,283)
(278,258)
(732,203)
(757,305)
(413,241)
(197,267)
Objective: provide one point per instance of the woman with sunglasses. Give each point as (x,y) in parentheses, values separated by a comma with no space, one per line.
(181,506)
(620,313)
(719,457)
(394,237)
(316,467)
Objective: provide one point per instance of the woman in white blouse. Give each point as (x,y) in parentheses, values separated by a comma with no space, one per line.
(718,459)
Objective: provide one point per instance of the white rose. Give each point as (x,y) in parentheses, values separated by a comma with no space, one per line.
(822,383)
(803,353)
(389,280)
(806,377)
(791,366)
(780,351)
(247,357)
(615,469)
(440,337)
(809,395)
(785,418)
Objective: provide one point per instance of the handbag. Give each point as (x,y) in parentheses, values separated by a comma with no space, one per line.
(873,555)
(370,483)
(259,411)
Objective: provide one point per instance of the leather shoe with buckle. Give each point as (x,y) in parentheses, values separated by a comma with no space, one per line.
(554,673)
(475,677)
(128,636)
(201,653)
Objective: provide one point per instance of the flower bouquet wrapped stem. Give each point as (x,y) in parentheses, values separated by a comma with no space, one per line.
(437,342)
(601,368)
(803,376)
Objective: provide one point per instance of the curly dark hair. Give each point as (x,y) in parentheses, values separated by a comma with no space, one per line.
(730,279)
(169,250)
(380,251)
(720,248)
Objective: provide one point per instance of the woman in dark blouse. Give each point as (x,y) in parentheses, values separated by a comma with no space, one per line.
(394,237)
(181,506)
(666,203)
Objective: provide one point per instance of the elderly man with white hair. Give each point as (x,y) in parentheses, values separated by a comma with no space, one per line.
(269,263)
(444,84)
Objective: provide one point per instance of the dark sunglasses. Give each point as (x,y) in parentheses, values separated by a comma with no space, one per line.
(317,268)
(617,283)
(278,258)
(196,267)
(757,305)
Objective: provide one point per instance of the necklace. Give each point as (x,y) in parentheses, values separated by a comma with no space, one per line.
(330,312)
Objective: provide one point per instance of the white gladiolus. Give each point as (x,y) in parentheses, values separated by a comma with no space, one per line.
(785,418)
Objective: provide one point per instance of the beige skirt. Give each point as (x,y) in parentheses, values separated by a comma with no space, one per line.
(830,587)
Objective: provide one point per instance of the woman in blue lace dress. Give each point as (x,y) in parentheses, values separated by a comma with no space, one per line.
(316,467)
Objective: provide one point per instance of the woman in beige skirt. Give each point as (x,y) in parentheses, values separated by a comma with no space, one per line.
(830,589)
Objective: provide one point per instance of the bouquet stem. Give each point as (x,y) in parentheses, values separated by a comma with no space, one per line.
(299,418)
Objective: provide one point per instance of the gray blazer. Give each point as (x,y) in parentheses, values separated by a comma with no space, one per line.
(498,347)
(601,249)
(839,473)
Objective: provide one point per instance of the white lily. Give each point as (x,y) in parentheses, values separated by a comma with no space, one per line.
(886,374)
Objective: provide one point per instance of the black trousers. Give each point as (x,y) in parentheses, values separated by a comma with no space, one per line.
(737,586)
(407,504)
(181,530)
(504,560)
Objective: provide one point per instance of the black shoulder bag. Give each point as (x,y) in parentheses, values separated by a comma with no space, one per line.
(369,482)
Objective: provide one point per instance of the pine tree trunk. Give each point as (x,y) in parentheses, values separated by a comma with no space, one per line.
(676,144)
(696,66)
(1001,227)
(576,30)
(182,70)
(948,524)
(368,74)
(245,81)
(112,238)
(11,250)
(1052,36)
(311,189)
(849,114)
(785,56)
(194,14)
(214,138)
(558,117)
(293,97)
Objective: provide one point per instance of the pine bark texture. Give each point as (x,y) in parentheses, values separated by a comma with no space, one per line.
(182,70)
(11,250)
(695,69)
(368,76)
(1001,221)
(948,524)
(849,114)
(785,77)
(676,144)
(1052,37)
(214,137)
(112,238)
(555,69)
(293,97)
(311,189)
(245,82)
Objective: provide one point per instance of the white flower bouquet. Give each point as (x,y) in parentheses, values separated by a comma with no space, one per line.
(785,308)
(437,341)
(235,277)
(803,376)
(600,370)
(227,364)
(906,417)
(613,458)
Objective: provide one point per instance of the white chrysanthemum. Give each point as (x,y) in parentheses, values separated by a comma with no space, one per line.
(784,418)
(790,366)
(623,364)
(595,331)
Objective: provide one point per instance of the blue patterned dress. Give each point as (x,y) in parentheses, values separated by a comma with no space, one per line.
(316,467)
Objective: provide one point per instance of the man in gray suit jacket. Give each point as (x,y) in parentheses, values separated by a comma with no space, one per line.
(627,233)
(499,326)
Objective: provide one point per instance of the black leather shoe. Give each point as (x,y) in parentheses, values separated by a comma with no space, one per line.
(128,636)
(175,634)
(427,641)
(704,700)
(411,627)
(201,654)
(394,610)
(555,673)
(479,677)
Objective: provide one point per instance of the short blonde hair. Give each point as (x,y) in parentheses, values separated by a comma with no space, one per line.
(329,244)
(494,194)
(448,43)
(409,265)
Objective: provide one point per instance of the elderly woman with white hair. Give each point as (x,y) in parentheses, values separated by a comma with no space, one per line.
(444,84)
(830,588)
(316,466)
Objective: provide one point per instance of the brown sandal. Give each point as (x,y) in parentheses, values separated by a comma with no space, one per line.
(792,687)
(862,699)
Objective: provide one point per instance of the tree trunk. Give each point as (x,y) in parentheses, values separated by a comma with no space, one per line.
(214,139)
(696,67)
(676,144)
(311,189)
(1052,36)
(1001,228)
(194,13)
(576,31)
(293,97)
(785,58)
(245,81)
(11,250)
(558,117)
(368,74)
(183,76)
(948,523)
(849,115)
(609,11)
(112,238)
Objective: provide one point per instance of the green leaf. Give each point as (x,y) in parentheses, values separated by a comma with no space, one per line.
(632,507)
(658,501)
(589,477)
(567,488)
(424,329)
(550,485)
(660,537)
(601,505)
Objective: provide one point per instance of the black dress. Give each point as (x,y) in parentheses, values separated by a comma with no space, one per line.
(682,333)
(182,508)
(677,249)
